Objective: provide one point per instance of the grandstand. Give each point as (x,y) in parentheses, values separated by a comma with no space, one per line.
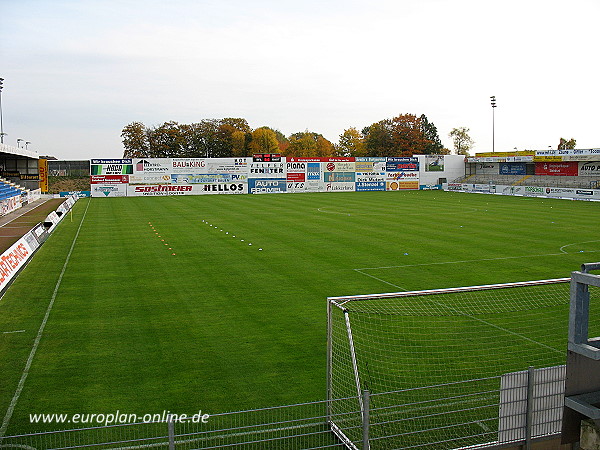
(9,190)
(573,171)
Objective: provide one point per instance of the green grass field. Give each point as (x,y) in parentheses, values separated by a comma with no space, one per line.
(164,304)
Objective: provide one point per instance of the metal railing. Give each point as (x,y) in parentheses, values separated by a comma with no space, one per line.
(515,408)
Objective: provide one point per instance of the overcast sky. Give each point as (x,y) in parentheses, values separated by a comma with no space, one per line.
(76,72)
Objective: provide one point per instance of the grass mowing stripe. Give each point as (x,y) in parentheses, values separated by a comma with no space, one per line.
(222,326)
(38,337)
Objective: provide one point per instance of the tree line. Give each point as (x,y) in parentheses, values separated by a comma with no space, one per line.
(403,135)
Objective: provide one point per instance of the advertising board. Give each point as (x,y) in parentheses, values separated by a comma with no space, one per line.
(12,260)
(487,168)
(339,187)
(110,179)
(109,190)
(402,164)
(565,168)
(589,169)
(267,185)
(368,164)
(209,165)
(513,169)
(111,167)
(188,178)
(337,177)
(266,170)
(151,171)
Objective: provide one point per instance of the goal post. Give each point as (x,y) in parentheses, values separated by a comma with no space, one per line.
(433,353)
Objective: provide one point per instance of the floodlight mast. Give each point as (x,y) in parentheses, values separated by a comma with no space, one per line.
(493,101)
(1,122)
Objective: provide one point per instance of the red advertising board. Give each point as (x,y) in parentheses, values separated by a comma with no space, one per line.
(296,177)
(102,179)
(565,168)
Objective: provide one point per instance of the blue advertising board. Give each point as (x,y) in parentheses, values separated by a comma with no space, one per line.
(513,169)
(267,185)
(313,171)
(362,186)
(402,164)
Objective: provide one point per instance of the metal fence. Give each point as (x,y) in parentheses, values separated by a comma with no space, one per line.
(513,409)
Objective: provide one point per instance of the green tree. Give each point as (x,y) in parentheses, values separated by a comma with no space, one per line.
(302,145)
(351,143)
(135,141)
(166,141)
(462,141)
(567,145)
(264,140)
(433,143)
(309,144)
(378,139)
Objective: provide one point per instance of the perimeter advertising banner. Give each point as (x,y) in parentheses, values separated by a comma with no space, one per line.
(568,168)
(151,171)
(397,181)
(513,169)
(296,175)
(13,259)
(402,164)
(186,189)
(191,178)
(111,167)
(111,179)
(339,186)
(369,164)
(267,185)
(370,181)
(267,169)
(589,169)
(528,191)
(487,168)
(209,165)
(109,190)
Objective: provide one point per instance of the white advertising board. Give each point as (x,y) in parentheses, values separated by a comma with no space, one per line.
(151,171)
(339,186)
(12,260)
(209,165)
(589,169)
(187,189)
(266,170)
(109,190)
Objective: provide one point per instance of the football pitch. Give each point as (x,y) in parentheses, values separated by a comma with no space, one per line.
(218,302)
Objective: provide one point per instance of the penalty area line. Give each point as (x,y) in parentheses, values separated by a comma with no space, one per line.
(36,342)
(441,263)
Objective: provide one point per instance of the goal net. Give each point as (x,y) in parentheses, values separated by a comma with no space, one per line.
(433,360)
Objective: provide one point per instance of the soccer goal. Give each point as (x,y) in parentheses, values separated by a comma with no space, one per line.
(432,363)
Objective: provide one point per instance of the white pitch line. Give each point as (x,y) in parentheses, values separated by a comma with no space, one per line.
(379,279)
(577,243)
(13,332)
(473,260)
(36,342)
